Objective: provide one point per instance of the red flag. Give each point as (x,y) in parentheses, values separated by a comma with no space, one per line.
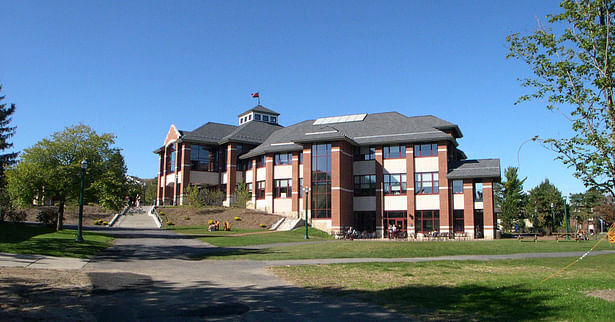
(255,95)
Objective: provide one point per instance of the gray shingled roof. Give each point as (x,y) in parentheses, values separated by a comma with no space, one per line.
(253,132)
(260,109)
(209,133)
(379,128)
(469,169)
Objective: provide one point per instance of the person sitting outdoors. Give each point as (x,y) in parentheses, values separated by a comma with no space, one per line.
(217,225)
(211,227)
(227,226)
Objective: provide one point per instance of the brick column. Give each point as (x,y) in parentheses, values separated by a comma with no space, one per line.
(269,183)
(341,185)
(164,176)
(295,184)
(468,207)
(307,178)
(410,193)
(185,172)
(254,182)
(488,212)
(445,213)
(175,174)
(379,192)
(159,189)
(231,172)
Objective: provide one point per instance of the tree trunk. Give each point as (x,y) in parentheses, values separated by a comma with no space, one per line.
(60,222)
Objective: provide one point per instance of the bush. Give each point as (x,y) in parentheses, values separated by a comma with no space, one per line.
(263,225)
(15,216)
(170,223)
(187,218)
(242,195)
(237,218)
(47,216)
(104,223)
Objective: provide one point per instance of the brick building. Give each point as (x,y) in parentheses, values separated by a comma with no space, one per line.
(357,168)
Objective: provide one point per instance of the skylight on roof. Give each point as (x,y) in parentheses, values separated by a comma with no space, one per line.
(340,119)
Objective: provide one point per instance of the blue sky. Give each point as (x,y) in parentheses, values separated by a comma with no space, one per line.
(133,68)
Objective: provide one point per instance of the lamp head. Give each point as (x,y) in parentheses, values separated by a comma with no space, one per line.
(84,164)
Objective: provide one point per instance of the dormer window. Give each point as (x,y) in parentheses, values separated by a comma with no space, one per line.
(273,119)
(257,117)
(265,118)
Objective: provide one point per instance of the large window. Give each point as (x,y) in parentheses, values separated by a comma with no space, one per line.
(203,158)
(457,186)
(427,221)
(249,187)
(321,181)
(394,152)
(301,158)
(249,164)
(478,191)
(261,161)
(170,159)
(282,188)
(283,158)
(257,117)
(365,185)
(364,153)
(458,221)
(426,150)
(222,158)
(426,183)
(395,184)
(260,189)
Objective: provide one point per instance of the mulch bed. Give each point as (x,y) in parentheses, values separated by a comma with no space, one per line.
(188,216)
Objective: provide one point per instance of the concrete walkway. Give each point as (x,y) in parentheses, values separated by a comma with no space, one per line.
(136,218)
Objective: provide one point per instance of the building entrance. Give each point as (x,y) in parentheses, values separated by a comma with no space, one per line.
(397,219)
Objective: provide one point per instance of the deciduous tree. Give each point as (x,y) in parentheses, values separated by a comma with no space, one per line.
(50,170)
(573,62)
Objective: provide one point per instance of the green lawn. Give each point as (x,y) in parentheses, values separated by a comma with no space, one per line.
(29,239)
(386,249)
(252,237)
(470,290)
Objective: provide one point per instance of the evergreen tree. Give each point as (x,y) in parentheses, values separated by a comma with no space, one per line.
(545,207)
(6,159)
(513,199)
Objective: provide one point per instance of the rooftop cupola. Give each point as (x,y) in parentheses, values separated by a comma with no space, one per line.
(259,113)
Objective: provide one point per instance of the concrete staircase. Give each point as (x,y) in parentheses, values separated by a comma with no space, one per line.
(286,224)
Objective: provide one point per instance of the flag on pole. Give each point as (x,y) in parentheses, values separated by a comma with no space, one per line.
(255,95)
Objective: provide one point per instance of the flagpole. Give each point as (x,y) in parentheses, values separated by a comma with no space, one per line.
(259,97)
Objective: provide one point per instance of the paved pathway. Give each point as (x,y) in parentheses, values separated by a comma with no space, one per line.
(149,275)
(136,218)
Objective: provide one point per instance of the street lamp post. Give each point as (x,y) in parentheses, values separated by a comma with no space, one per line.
(307,191)
(566,216)
(553,217)
(84,165)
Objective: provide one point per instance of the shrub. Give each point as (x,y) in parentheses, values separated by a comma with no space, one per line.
(170,223)
(263,225)
(242,195)
(97,221)
(47,216)
(162,213)
(187,218)
(104,223)
(15,216)
(237,218)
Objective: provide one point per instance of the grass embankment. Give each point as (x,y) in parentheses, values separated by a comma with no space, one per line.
(40,240)
(247,237)
(384,249)
(470,290)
